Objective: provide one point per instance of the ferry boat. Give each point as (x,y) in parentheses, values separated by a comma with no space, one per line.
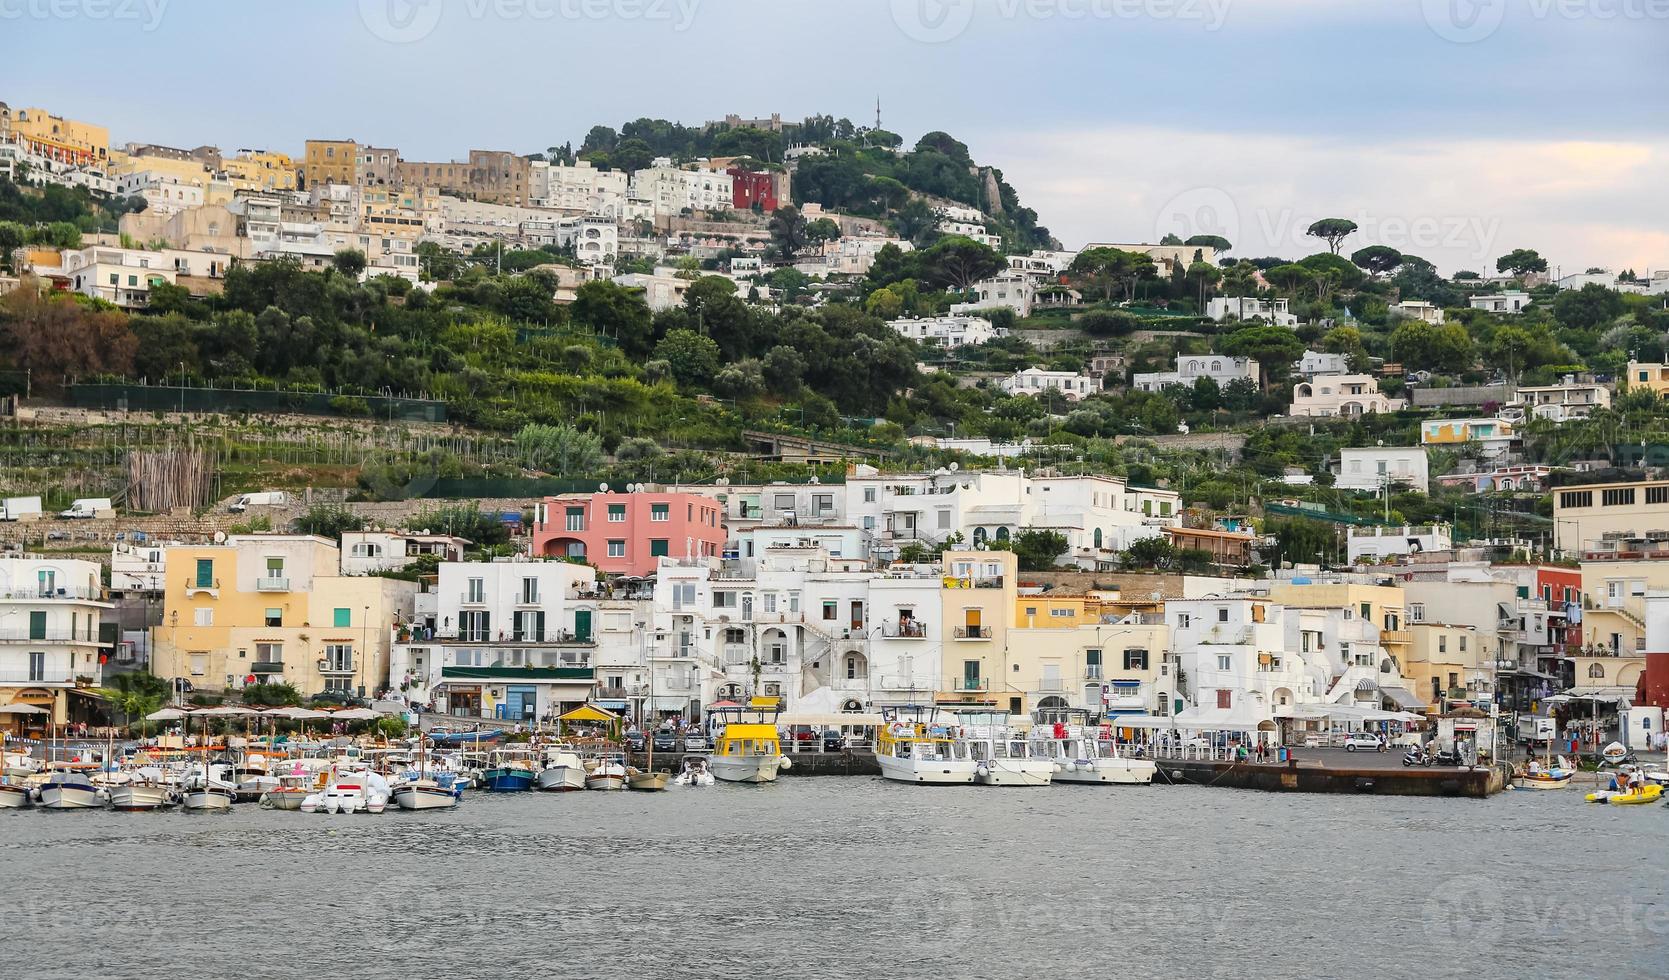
(749,748)
(1001,753)
(913,746)
(1085,753)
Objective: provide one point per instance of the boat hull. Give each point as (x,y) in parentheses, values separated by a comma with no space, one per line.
(1128,772)
(745,769)
(611,779)
(132,799)
(927,772)
(206,800)
(561,779)
(648,781)
(424,798)
(508,780)
(285,799)
(1015,772)
(13,797)
(70,797)
(1542,782)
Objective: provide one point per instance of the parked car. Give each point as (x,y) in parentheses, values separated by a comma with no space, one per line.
(666,740)
(636,742)
(337,699)
(696,742)
(1368,741)
(833,740)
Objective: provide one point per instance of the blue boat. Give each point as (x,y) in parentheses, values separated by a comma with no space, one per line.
(512,771)
(465,738)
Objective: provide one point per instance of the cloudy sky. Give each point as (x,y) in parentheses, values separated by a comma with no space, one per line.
(1455,129)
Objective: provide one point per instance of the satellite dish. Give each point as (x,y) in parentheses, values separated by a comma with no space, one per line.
(220,537)
(815,481)
(602,488)
(723,481)
(955,466)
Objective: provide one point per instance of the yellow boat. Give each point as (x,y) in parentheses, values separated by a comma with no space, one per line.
(1649,793)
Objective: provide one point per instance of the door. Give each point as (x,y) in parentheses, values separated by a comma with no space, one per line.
(37,625)
(520,703)
(37,666)
(971,620)
(970,675)
(582,625)
(747,607)
(857,614)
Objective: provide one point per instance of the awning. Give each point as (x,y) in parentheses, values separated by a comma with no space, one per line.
(822,719)
(613,705)
(1404,698)
(1612,693)
(23,709)
(588,712)
(1152,722)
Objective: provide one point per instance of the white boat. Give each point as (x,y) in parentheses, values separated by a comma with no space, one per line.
(649,781)
(13,797)
(205,790)
(350,792)
(424,794)
(140,789)
(913,746)
(695,772)
(605,772)
(1001,754)
(1080,755)
(749,747)
(1536,776)
(68,791)
(563,771)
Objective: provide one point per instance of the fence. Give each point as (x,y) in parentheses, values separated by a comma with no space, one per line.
(174,398)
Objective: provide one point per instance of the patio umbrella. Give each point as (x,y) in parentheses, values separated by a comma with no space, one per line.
(296,714)
(356,714)
(166,714)
(22,709)
(226,711)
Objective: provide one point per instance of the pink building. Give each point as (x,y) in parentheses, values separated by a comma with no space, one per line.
(626,533)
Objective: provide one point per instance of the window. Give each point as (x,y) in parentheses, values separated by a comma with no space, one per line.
(530,591)
(831,609)
(617,513)
(1463,644)
(869,523)
(1225,662)
(1184,621)
(274,618)
(477,591)
(576,518)
(341,617)
(770,602)
(660,513)
(1092,664)
(1417,612)
(269,653)
(869,495)
(37,627)
(202,617)
(1223,698)
(1617,498)
(1223,615)
(1596,671)
(617,549)
(657,548)
(1576,498)
(205,573)
(1135,660)
(339,658)
(1061,613)
(1657,495)
(1442,644)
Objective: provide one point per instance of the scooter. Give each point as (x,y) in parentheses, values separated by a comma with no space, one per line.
(1445,757)
(1415,757)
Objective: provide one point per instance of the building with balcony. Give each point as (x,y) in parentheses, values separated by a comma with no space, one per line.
(511,640)
(1073,385)
(1276,310)
(1571,399)
(978,605)
(122,276)
(1379,543)
(275,607)
(1452,662)
(1221,368)
(628,533)
(369,552)
(1507,302)
(1228,549)
(52,649)
(1648,376)
(1321,362)
(1611,518)
(1419,309)
(946,331)
(1341,396)
(1075,652)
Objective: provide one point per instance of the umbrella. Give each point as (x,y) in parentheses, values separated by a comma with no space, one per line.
(226,711)
(356,714)
(166,714)
(297,714)
(22,709)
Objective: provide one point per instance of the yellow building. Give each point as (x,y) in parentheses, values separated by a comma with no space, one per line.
(189,171)
(1599,519)
(1613,648)
(260,170)
(1078,652)
(329,162)
(60,139)
(1650,376)
(1448,661)
(977,597)
(1385,606)
(275,608)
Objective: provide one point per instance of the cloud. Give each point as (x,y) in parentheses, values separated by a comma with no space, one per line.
(1459,203)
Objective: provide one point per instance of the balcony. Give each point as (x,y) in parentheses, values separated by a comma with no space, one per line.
(50,636)
(272,584)
(972,632)
(267,667)
(1396,636)
(970,684)
(41,595)
(338,668)
(212,587)
(907,630)
(1051,685)
(1092,672)
(50,676)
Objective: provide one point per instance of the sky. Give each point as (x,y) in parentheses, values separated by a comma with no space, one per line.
(1457,130)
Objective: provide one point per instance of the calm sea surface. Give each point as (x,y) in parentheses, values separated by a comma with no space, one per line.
(848,877)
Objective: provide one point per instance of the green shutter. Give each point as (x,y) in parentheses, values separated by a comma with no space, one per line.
(37,625)
(657,548)
(205,573)
(343,618)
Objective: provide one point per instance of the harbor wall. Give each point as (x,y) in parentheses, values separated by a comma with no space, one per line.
(1313,777)
(804,763)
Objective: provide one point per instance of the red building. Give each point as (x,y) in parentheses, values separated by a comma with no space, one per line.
(629,533)
(750,187)
(1657,679)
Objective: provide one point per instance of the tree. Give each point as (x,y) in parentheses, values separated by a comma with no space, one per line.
(1038,550)
(615,311)
(784,368)
(631,155)
(1377,259)
(1333,231)
(692,358)
(1103,268)
(1509,346)
(349,262)
(955,262)
(1591,306)
(1287,276)
(884,303)
(56,337)
(1445,349)
(328,521)
(1207,395)
(822,230)
(1274,348)
(1153,552)
(560,450)
(1202,277)
(1347,340)
(788,232)
(1521,261)
(12,237)
(915,220)
(1217,243)
(136,695)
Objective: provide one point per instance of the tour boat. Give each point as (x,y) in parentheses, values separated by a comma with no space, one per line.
(1001,754)
(512,771)
(68,791)
(1079,755)
(749,749)
(912,746)
(695,772)
(563,772)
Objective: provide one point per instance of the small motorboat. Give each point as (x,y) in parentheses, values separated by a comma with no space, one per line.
(606,772)
(646,781)
(13,797)
(141,790)
(202,790)
(350,792)
(1638,796)
(1557,776)
(69,791)
(563,772)
(695,772)
(425,794)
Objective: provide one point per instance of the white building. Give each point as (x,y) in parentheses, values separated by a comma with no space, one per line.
(580,188)
(1035,381)
(1220,368)
(163,193)
(1371,468)
(1042,264)
(1320,362)
(369,552)
(1570,399)
(1276,310)
(123,276)
(1341,396)
(139,566)
(510,640)
(1419,309)
(50,614)
(1010,290)
(1510,301)
(947,331)
(1387,542)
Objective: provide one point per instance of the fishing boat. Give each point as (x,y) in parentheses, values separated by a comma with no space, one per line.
(425,794)
(606,770)
(202,792)
(563,770)
(913,746)
(14,768)
(68,790)
(140,789)
(749,748)
(694,773)
(292,790)
(646,780)
(1086,753)
(512,770)
(1537,776)
(456,739)
(1002,756)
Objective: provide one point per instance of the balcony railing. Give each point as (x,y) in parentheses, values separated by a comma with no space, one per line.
(905,631)
(43,594)
(1092,672)
(338,667)
(514,636)
(466,599)
(50,676)
(971,684)
(50,636)
(972,632)
(267,667)
(1051,685)
(272,584)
